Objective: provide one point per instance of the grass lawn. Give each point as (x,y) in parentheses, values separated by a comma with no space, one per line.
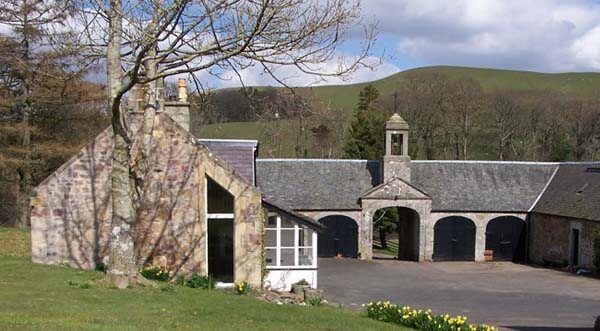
(39,297)
(391,250)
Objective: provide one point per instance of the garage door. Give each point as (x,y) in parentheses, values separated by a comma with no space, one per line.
(454,239)
(339,237)
(506,237)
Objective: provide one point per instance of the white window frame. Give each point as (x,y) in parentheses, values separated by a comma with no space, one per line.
(277,229)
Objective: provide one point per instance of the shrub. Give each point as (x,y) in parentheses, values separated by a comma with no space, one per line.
(315,301)
(198,281)
(242,288)
(420,320)
(155,273)
(100,266)
(180,280)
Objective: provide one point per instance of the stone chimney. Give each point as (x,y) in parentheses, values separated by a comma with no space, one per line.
(179,109)
(396,162)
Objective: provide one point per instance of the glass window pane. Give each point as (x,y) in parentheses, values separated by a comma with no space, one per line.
(287,257)
(287,223)
(272,222)
(287,238)
(271,256)
(305,257)
(305,237)
(219,200)
(271,238)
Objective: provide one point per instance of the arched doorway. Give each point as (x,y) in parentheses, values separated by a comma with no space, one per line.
(505,236)
(454,239)
(396,233)
(339,237)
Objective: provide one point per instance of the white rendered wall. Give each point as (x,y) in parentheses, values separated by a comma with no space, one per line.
(282,280)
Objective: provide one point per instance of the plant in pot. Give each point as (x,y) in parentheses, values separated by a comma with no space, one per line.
(298,287)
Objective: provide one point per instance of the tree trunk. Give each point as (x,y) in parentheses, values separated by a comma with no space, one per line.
(382,238)
(121,267)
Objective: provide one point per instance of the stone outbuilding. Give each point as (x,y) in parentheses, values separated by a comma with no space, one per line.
(565,222)
(449,210)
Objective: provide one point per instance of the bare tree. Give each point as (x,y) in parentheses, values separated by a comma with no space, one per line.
(464,104)
(144,41)
(423,101)
(505,111)
(581,122)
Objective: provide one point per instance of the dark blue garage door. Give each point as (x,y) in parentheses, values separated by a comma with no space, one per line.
(339,237)
(454,239)
(506,237)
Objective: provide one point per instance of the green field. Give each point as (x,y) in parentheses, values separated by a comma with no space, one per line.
(38,297)
(345,97)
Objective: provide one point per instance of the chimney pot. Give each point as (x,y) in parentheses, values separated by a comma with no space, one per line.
(182,90)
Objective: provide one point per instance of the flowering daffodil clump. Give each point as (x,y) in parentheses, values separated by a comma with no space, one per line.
(418,319)
(242,288)
(155,273)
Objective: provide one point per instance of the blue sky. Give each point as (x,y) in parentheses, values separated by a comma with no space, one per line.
(535,35)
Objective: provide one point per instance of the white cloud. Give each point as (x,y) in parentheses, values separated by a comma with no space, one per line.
(547,35)
(256,75)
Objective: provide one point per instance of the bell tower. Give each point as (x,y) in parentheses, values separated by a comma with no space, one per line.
(396,162)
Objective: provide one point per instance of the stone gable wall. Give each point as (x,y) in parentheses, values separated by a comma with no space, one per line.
(71,210)
(550,239)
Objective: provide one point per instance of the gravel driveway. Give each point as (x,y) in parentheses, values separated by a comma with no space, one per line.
(502,294)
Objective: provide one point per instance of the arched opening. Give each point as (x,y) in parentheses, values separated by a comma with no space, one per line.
(340,237)
(505,236)
(396,233)
(454,239)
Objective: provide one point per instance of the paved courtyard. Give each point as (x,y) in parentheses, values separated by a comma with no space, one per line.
(503,294)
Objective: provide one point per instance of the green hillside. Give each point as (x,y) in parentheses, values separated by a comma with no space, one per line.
(345,96)
(490,79)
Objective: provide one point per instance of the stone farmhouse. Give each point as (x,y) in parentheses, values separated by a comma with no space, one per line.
(211,207)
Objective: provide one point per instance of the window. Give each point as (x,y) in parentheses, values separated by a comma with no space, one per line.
(289,245)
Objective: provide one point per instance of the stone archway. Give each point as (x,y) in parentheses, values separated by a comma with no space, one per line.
(401,222)
(395,193)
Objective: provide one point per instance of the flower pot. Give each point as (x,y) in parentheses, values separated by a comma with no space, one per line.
(299,289)
(310,293)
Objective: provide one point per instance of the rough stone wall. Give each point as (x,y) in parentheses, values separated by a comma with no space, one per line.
(550,239)
(395,166)
(179,112)
(71,210)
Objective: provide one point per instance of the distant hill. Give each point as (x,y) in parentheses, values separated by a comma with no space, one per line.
(345,96)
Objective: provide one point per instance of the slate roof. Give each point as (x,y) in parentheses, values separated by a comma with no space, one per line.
(239,154)
(305,184)
(453,185)
(573,192)
(481,185)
